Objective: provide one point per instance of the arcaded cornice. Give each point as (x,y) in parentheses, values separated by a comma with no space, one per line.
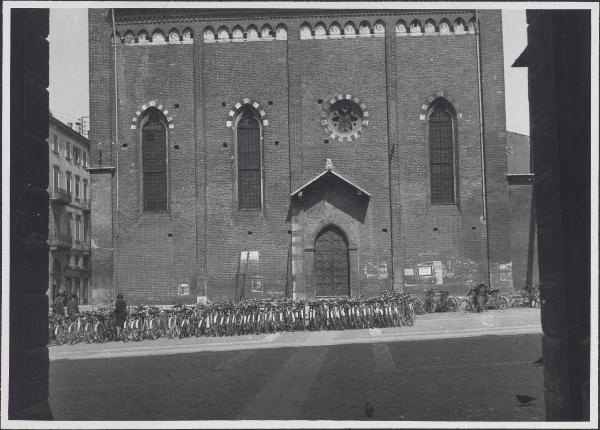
(157,16)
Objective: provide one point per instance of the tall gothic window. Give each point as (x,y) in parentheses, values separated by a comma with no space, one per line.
(154,162)
(441,155)
(249,162)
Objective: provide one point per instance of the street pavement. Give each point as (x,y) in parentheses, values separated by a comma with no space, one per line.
(450,367)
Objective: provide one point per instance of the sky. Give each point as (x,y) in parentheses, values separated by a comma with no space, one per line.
(69,69)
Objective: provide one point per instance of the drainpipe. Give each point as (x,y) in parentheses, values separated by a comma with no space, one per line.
(116,141)
(482,147)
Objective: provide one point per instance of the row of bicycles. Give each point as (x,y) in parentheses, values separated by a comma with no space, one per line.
(229,318)
(442,301)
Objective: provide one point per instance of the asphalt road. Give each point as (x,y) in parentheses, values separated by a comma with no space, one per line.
(472,379)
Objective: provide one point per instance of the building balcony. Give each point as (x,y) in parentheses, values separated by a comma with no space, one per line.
(60,241)
(85,206)
(58,195)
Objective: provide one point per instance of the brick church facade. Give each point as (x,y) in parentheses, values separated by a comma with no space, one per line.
(298,153)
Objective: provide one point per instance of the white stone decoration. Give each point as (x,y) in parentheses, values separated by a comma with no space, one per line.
(305,32)
(209,36)
(158,37)
(444,27)
(364,30)
(252,33)
(187,35)
(328,164)
(459,27)
(223,35)
(379,30)
(415,29)
(266,32)
(320,31)
(349,30)
(173,37)
(129,38)
(429,28)
(472,27)
(281,33)
(335,31)
(143,37)
(401,29)
(237,34)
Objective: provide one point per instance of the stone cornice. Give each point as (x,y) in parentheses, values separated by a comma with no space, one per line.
(159,16)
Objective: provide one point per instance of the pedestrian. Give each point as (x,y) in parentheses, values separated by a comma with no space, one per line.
(120,313)
(72,306)
(57,306)
(480,297)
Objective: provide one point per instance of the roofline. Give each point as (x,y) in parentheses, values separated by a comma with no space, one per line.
(334,173)
(84,140)
(518,134)
(151,15)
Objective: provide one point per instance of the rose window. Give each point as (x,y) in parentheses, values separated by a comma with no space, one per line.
(344,117)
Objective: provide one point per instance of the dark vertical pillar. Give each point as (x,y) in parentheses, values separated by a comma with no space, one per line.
(28,381)
(559,95)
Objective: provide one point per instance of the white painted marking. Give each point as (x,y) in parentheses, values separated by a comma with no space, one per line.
(286,392)
(383,357)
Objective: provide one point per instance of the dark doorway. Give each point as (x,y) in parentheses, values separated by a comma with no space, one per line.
(331,263)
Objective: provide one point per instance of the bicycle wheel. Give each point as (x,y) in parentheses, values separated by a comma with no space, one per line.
(99,333)
(88,332)
(137,330)
(503,302)
(452,304)
(72,333)
(410,315)
(430,306)
(59,334)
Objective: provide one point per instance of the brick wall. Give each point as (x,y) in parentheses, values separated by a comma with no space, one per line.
(523,233)
(233,71)
(200,239)
(326,69)
(447,237)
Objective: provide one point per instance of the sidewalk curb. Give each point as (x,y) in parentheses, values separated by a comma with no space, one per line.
(278,341)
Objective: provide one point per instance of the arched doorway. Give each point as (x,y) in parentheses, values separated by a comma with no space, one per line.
(331,263)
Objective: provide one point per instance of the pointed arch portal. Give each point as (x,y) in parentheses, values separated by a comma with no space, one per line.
(332,268)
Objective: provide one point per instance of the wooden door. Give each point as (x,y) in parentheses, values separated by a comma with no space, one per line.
(331,263)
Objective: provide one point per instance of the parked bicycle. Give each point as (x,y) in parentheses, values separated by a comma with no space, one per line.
(495,300)
(440,301)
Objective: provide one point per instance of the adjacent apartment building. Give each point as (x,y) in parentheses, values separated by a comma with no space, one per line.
(69,221)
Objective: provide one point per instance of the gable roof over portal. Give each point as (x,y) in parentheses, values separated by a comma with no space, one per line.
(323,176)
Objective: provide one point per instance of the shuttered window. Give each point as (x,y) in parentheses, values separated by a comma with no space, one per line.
(441,157)
(249,163)
(154,164)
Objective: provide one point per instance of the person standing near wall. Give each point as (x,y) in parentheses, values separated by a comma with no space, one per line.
(481,297)
(72,306)
(120,313)
(58,307)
